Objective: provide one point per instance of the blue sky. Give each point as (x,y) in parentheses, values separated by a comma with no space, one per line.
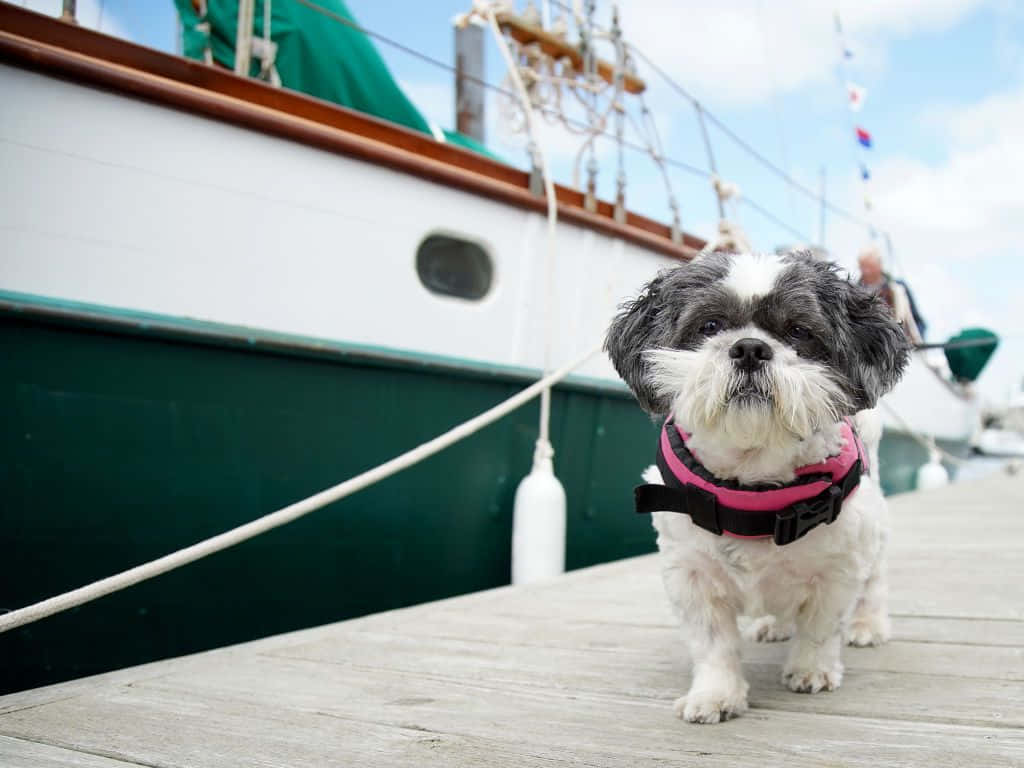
(945,106)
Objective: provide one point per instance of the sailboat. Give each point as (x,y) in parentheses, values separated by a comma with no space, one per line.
(221,291)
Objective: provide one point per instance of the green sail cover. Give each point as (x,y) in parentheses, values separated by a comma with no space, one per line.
(316,54)
(966,363)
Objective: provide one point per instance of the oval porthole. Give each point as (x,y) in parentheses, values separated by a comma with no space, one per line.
(450,266)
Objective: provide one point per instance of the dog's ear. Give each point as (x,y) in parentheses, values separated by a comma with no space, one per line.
(874,348)
(640,326)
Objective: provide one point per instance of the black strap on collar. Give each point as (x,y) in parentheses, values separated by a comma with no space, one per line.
(784,526)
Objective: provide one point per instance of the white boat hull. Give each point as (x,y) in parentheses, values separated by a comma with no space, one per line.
(122,203)
(924,404)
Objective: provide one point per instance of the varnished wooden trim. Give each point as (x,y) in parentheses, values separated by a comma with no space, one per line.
(41,43)
(527,34)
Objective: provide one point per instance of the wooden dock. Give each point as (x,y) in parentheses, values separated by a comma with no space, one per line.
(581,671)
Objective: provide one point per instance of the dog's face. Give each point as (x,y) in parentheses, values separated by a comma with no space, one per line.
(748,345)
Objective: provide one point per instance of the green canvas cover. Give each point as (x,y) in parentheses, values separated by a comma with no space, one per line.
(318,53)
(966,363)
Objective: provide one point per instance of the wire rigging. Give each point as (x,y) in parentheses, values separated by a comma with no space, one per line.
(744,200)
(774,168)
(669,80)
(681,165)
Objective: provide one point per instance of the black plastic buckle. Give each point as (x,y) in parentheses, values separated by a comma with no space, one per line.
(795,521)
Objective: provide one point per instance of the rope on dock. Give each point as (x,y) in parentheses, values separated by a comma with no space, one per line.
(287,514)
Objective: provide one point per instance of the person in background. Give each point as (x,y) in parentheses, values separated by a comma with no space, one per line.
(895,292)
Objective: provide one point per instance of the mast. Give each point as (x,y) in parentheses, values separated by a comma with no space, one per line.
(469,80)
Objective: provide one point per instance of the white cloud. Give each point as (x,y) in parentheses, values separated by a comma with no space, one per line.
(958,227)
(741,51)
(972,202)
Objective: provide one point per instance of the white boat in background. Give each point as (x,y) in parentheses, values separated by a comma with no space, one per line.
(1003,434)
(925,406)
(1000,443)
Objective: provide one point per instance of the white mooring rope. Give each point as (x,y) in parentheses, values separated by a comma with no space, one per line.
(287,514)
(926,441)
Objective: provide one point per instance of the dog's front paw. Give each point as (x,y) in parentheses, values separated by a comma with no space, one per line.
(713,701)
(814,679)
(867,631)
(766,629)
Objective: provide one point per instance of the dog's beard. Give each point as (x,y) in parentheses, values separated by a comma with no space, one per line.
(790,396)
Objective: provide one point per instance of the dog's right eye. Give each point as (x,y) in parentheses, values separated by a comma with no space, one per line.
(711,327)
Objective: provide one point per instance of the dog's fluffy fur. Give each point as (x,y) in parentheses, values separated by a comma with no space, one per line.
(835,351)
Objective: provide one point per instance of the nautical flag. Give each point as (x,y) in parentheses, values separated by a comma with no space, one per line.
(863,137)
(847,52)
(856,94)
(864,172)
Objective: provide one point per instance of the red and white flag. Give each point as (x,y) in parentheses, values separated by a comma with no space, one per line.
(856,94)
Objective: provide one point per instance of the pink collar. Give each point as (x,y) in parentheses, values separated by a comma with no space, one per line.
(755,511)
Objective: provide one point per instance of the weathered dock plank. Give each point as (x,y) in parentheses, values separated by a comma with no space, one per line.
(18,753)
(580,671)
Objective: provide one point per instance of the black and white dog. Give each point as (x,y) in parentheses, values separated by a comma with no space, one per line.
(763,366)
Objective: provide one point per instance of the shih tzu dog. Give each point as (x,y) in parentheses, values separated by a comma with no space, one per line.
(767,511)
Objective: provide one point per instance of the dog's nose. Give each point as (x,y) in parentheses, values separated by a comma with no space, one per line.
(750,354)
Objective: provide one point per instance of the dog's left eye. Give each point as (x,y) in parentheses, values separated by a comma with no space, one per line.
(800,333)
(711,327)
